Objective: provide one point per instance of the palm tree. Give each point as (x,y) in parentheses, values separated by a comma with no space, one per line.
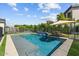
(61,16)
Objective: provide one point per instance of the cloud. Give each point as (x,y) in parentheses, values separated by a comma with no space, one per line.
(7,19)
(40,5)
(13,5)
(45,11)
(14,8)
(50,17)
(33,16)
(49,6)
(28,15)
(52,6)
(46,7)
(26,9)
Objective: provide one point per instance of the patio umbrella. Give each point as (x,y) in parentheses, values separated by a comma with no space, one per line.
(62,22)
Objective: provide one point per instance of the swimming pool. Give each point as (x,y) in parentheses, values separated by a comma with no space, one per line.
(44,48)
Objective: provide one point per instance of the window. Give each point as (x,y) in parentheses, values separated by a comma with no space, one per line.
(69,15)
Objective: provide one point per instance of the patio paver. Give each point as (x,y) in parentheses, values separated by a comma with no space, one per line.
(10,49)
(63,49)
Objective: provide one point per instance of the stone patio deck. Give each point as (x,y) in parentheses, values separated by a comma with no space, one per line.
(63,49)
(10,49)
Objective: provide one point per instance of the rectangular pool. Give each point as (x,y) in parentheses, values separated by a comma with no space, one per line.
(44,48)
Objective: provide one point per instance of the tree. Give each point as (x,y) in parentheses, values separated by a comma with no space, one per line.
(61,16)
(49,22)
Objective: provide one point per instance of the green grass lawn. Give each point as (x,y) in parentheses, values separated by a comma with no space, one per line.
(2,47)
(74,50)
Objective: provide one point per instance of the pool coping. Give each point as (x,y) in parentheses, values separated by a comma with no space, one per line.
(23,33)
(10,49)
(64,48)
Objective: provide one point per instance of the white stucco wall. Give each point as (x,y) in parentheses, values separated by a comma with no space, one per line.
(75,13)
(2,25)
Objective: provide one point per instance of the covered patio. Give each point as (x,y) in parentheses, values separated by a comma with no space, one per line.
(73,30)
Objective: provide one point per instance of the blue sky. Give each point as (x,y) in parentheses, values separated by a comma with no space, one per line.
(30,13)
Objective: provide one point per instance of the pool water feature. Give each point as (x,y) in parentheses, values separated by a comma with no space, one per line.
(44,48)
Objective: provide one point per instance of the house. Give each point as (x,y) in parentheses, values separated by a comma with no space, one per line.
(7,29)
(72,12)
(2,26)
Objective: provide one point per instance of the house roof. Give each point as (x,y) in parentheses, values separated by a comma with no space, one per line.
(2,20)
(72,6)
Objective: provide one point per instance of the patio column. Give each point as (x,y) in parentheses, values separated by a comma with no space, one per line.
(74,30)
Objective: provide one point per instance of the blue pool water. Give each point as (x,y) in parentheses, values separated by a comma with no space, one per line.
(44,48)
